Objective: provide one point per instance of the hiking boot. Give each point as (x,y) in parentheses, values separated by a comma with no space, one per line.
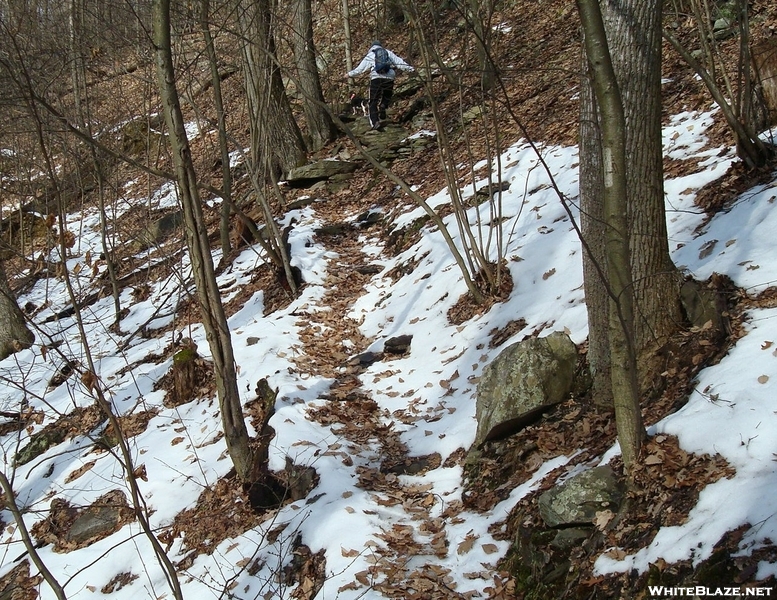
(376,125)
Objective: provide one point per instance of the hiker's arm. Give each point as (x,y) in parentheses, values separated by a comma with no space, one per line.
(363,66)
(399,63)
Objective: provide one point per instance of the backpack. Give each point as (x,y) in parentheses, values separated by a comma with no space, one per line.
(383,63)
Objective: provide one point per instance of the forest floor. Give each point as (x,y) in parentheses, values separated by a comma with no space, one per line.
(540,77)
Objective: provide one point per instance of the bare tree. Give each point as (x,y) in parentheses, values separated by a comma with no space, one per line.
(620,315)
(32,550)
(733,92)
(479,16)
(82,119)
(594,228)
(480,268)
(276,141)
(218,104)
(320,128)
(348,43)
(211,309)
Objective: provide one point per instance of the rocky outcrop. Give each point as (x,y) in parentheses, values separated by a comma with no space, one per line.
(323,169)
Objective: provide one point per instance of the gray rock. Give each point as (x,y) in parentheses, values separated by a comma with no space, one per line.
(487,192)
(525,379)
(104,517)
(299,479)
(157,231)
(702,305)
(472,114)
(322,169)
(301,203)
(334,229)
(369,217)
(407,87)
(370,269)
(93,523)
(570,537)
(723,28)
(365,359)
(40,443)
(577,500)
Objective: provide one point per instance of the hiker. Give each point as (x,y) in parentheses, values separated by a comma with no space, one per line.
(383,65)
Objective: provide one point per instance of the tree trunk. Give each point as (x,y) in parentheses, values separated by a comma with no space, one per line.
(321,129)
(276,141)
(218,104)
(29,544)
(347,37)
(593,230)
(634,35)
(14,335)
(480,21)
(212,311)
(623,367)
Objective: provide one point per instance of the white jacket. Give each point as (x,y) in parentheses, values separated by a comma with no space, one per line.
(368,63)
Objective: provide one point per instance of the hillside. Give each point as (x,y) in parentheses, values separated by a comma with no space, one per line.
(372,371)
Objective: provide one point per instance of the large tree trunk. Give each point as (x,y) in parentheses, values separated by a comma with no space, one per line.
(14,335)
(480,16)
(623,367)
(214,319)
(634,35)
(321,129)
(276,141)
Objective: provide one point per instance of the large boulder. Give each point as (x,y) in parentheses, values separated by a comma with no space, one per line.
(526,379)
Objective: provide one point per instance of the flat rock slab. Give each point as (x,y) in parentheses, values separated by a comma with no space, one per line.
(322,169)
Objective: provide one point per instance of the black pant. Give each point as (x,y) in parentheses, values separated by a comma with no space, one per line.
(381,90)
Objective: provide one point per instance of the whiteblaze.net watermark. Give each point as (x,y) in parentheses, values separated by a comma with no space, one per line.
(702,591)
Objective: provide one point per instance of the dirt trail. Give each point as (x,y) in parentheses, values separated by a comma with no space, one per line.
(332,345)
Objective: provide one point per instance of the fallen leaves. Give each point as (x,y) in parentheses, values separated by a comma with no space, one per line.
(222,511)
(466,544)
(603,518)
(73,475)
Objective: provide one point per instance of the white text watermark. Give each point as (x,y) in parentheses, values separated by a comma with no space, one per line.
(703,591)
